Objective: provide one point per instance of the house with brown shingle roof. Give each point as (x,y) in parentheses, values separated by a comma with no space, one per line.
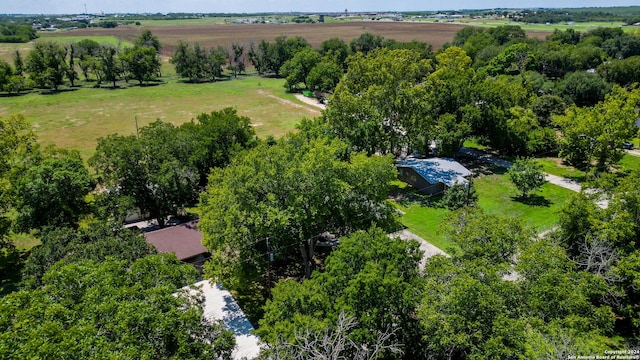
(184,240)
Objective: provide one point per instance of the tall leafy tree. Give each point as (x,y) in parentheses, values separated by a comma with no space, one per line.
(598,132)
(46,65)
(288,194)
(148,169)
(96,243)
(380,105)
(214,138)
(526,174)
(52,190)
(297,69)
(141,63)
(369,277)
(112,308)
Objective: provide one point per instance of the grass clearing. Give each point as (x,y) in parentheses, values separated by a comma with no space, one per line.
(556,167)
(629,163)
(498,196)
(421,214)
(75,119)
(110,40)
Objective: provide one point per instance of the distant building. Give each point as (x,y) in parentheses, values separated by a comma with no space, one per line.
(433,175)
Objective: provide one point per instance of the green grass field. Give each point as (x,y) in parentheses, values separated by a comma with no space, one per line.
(496,195)
(76,118)
(111,40)
(578,26)
(629,163)
(556,167)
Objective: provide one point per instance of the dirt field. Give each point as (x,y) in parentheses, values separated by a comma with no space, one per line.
(224,35)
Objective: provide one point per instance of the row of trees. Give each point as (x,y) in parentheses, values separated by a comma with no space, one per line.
(16,33)
(393,100)
(50,65)
(200,64)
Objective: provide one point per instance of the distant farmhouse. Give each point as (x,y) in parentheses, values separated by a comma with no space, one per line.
(433,175)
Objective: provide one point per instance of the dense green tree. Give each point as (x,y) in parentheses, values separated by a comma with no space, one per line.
(269,57)
(213,138)
(583,89)
(622,72)
(365,43)
(380,105)
(568,36)
(87,51)
(598,132)
(325,76)
(425,49)
(288,194)
(467,311)
(141,63)
(459,196)
(96,243)
(147,39)
(450,134)
(52,190)
(585,57)
(449,83)
(526,174)
(197,63)
(46,65)
(337,49)
(546,106)
(514,59)
(507,33)
(107,65)
(622,46)
(112,308)
(6,72)
(370,277)
(147,169)
(297,69)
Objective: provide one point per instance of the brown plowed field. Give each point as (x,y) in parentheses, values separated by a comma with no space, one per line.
(224,35)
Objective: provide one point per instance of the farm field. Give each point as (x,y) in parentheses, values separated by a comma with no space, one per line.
(224,35)
(77,118)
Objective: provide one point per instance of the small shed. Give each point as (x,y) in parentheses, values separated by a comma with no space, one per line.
(432,175)
(184,240)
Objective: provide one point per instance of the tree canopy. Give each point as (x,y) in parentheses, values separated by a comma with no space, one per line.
(287,195)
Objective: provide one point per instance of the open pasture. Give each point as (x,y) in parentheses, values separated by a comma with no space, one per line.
(224,35)
(76,118)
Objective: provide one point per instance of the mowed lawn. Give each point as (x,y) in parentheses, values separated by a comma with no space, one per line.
(77,118)
(496,195)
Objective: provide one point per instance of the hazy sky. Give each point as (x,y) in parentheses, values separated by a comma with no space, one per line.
(249,6)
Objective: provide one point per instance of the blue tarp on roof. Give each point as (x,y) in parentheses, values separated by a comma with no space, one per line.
(435,170)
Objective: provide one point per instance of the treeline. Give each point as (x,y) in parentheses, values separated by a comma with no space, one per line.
(50,65)
(628,15)
(16,33)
